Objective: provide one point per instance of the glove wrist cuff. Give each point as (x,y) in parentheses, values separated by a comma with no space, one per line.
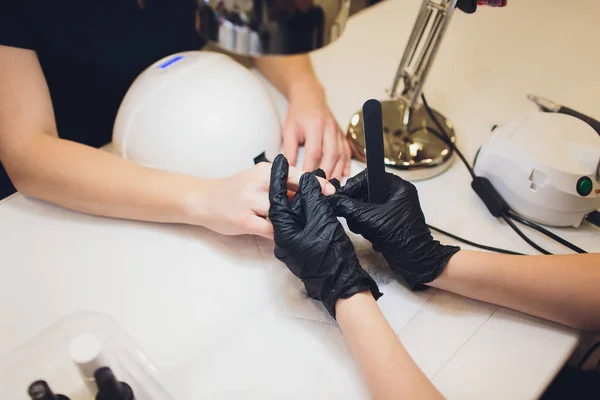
(423,265)
(357,281)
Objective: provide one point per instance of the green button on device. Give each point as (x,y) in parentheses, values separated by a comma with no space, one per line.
(584,186)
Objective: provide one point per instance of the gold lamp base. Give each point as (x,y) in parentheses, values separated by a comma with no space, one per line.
(409,144)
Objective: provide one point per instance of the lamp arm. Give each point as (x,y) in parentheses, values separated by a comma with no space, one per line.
(423,44)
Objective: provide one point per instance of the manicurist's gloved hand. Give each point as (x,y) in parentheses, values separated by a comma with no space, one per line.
(396,228)
(312,243)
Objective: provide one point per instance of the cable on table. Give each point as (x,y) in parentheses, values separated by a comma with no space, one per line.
(546,232)
(474,244)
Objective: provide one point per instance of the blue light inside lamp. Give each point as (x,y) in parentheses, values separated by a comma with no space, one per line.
(170,62)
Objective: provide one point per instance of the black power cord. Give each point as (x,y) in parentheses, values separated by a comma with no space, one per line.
(470,243)
(447,139)
(492,199)
(524,237)
(546,232)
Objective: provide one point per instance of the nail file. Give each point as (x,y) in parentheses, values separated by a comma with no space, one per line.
(373,128)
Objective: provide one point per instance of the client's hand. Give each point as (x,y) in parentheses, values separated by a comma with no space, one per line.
(311,241)
(239,204)
(396,228)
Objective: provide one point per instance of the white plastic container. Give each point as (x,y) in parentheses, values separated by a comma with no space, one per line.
(48,357)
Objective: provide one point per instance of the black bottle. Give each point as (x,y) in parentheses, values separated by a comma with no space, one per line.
(39,390)
(109,388)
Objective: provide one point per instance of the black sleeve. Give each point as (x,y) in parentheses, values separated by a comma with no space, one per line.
(14,29)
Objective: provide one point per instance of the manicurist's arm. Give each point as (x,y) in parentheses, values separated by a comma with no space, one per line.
(85,179)
(560,288)
(387,367)
(289,73)
(309,121)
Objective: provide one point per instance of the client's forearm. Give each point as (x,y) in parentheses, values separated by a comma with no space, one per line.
(560,288)
(92,181)
(389,370)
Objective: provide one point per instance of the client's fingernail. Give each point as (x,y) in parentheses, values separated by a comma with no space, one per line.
(329,189)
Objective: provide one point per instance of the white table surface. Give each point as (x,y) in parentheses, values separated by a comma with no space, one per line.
(222,318)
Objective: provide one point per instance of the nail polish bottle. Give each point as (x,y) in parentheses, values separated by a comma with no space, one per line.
(88,355)
(109,388)
(39,390)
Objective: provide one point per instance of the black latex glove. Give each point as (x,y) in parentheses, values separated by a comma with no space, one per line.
(396,228)
(312,243)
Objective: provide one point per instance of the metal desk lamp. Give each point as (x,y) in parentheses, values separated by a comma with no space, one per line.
(409,145)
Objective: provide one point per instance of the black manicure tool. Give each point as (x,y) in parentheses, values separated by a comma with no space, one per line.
(373,128)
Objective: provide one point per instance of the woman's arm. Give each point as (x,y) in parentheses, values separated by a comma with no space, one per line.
(560,288)
(72,175)
(82,178)
(288,73)
(389,370)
